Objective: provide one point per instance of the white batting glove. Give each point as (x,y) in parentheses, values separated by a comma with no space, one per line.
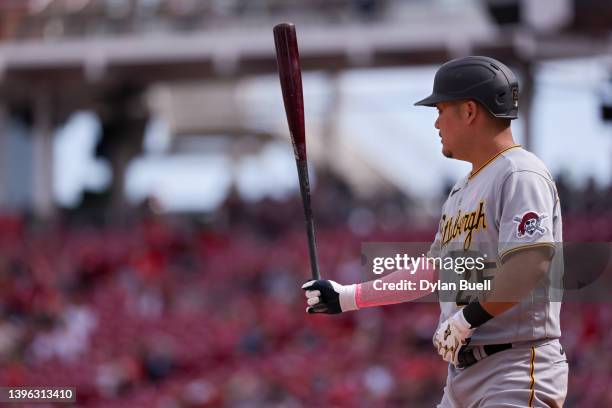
(327,296)
(453,334)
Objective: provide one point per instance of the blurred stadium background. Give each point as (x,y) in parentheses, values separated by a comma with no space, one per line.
(151,234)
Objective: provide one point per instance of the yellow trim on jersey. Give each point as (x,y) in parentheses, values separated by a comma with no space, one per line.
(532,377)
(472,174)
(526,246)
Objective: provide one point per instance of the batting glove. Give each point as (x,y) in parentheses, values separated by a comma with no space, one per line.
(327,296)
(452,335)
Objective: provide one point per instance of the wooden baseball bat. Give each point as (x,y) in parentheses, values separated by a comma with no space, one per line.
(289,72)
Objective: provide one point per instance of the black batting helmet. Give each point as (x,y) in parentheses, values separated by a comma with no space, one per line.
(482,79)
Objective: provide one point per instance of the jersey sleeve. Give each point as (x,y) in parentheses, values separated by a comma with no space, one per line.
(434,250)
(526,208)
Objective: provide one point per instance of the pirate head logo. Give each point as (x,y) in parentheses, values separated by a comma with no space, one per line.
(529,224)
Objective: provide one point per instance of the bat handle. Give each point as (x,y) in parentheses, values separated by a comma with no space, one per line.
(302,167)
(312,250)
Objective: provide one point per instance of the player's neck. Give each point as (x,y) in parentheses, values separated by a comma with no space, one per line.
(490,147)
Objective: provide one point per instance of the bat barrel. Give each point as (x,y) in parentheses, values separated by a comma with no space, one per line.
(290,74)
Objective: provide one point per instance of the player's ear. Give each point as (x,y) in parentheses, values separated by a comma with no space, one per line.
(469,111)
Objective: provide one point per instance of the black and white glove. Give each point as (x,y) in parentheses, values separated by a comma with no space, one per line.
(327,296)
(452,335)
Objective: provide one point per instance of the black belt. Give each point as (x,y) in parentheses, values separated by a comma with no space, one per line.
(473,355)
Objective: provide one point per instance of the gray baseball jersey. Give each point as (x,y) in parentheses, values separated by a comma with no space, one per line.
(510,203)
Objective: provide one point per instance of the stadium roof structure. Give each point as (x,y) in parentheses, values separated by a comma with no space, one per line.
(416,33)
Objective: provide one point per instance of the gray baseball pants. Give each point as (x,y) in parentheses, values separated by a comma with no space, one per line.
(530,374)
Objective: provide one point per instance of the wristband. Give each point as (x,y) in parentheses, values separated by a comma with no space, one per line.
(475,315)
(348,299)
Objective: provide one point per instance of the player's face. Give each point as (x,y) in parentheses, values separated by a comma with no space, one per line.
(450,126)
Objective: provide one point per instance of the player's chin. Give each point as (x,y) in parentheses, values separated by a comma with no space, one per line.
(447,153)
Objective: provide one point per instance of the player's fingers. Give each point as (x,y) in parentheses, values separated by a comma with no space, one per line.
(312,293)
(313,301)
(436,336)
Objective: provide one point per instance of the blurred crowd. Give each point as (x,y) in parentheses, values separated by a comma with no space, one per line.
(168,311)
(589,199)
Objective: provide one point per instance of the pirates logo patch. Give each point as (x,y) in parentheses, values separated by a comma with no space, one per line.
(529,224)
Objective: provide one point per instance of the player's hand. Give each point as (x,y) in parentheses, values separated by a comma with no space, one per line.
(327,296)
(452,335)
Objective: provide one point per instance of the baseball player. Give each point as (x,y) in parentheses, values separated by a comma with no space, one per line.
(502,346)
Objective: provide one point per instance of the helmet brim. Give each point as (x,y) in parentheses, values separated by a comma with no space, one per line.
(434,99)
